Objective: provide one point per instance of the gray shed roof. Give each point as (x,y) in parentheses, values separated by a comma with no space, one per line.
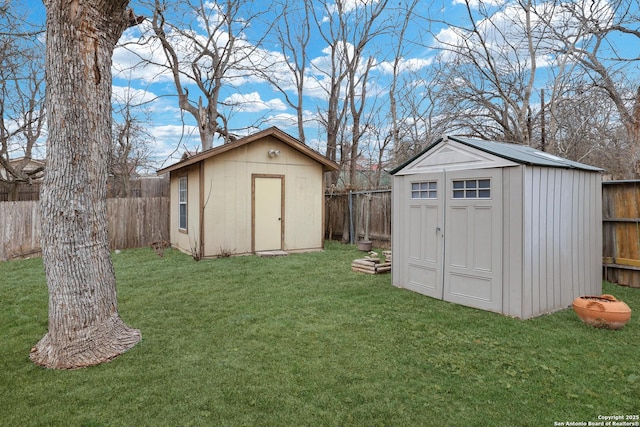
(517,153)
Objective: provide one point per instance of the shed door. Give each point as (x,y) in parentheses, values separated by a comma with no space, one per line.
(454,237)
(424,228)
(473,239)
(267,213)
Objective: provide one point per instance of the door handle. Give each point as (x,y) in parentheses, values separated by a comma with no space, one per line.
(437,230)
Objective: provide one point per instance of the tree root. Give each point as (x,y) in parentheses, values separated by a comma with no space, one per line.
(87,347)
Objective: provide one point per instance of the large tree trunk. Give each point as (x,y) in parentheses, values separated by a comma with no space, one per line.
(84,325)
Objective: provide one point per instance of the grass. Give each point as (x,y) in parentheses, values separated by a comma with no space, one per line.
(301,340)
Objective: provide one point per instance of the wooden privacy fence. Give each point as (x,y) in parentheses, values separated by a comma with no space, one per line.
(346,216)
(19,229)
(621,232)
(144,186)
(138,221)
(133,222)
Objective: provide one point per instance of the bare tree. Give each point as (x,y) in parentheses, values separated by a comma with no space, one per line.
(587,129)
(378,152)
(590,34)
(357,97)
(333,74)
(421,115)
(292,34)
(348,30)
(206,48)
(489,69)
(130,148)
(22,114)
(415,117)
(84,325)
(399,33)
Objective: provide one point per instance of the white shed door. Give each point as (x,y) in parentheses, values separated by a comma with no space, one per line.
(473,239)
(454,237)
(424,228)
(267,213)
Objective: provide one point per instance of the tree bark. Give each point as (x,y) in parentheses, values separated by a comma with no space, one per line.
(84,325)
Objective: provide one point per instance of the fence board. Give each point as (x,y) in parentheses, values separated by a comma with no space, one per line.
(19,229)
(137,222)
(346,213)
(621,232)
(144,186)
(132,223)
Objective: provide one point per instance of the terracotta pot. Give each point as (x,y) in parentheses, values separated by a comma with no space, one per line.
(604,311)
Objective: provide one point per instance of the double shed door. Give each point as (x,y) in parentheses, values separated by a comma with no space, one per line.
(454,237)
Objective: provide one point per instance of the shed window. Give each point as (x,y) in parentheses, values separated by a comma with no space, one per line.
(424,190)
(472,189)
(182,202)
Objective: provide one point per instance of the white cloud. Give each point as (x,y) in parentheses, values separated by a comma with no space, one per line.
(411,65)
(282,120)
(475,3)
(252,103)
(127,94)
(318,144)
(174,132)
(348,6)
(169,142)
(138,56)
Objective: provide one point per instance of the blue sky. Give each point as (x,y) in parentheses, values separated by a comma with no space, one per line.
(256,104)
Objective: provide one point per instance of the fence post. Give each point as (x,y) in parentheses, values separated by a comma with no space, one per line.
(351,239)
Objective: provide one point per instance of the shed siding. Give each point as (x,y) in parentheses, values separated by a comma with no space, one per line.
(185,240)
(562,238)
(227,207)
(398,232)
(228,224)
(513,278)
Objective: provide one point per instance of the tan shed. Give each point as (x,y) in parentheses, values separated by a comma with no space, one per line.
(495,226)
(264,192)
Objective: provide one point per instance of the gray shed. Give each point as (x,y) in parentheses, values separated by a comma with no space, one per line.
(499,227)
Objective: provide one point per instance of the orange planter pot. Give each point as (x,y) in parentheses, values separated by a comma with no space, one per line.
(604,311)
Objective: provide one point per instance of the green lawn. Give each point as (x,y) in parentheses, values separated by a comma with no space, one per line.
(303,341)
